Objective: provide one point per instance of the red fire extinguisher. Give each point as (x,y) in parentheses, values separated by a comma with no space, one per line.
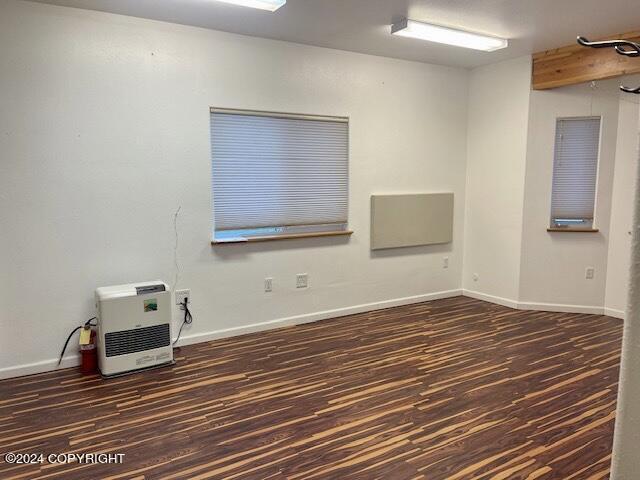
(88,347)
(88,353)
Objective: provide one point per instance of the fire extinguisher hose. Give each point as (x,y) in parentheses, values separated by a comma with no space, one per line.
(87,324)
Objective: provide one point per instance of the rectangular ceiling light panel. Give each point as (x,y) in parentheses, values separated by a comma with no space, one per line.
(448,36)
(269,5)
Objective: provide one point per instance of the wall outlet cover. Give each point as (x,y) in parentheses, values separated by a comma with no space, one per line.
(590,273)
(302,280)
(180,295)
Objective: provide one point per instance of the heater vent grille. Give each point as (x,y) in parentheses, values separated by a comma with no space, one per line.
(137,340)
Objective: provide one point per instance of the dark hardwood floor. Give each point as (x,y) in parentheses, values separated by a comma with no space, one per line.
(450,389)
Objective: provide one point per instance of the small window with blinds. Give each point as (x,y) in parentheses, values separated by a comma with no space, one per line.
(575,173)
(278,175)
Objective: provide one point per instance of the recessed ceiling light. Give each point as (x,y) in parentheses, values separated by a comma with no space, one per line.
(270,5)
(448,36)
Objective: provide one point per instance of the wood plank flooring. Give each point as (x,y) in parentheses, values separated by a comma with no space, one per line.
(450,389)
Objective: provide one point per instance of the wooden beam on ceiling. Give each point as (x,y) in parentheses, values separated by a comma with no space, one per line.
(577,64)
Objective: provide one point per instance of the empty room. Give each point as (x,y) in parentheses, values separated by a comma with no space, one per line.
(319,239)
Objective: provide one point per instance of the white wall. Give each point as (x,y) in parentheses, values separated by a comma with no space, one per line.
(511,136)
(496,154)
(622,208)
(104,132)
(554,263)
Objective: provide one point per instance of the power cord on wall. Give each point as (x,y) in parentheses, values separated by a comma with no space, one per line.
(87,324)
(175,249)
(187,320)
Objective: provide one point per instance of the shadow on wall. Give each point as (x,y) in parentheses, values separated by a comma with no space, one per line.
(409,251)
(239,250)
(576,238)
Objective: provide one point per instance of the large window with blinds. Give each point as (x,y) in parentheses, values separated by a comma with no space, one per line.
(575,173)
(277,175)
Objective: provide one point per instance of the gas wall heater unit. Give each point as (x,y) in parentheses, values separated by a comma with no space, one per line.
(134,327)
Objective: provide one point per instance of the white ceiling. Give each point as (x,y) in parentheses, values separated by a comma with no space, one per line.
(363,25)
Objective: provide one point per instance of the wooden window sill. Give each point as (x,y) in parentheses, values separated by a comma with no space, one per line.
(292,236)
(573,230)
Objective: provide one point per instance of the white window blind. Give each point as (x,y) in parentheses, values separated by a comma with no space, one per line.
(275,174)
(575,172)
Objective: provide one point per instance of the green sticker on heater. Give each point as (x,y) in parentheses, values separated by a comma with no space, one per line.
(151,305)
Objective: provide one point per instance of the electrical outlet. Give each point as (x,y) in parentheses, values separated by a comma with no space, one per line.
(268,284)
(445,262)
(302,280)
(590,273)
(476,277)
(181,295)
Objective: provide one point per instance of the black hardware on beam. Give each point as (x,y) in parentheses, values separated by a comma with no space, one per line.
(622,47)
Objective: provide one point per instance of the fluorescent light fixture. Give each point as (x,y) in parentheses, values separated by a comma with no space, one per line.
(269,5)
(448,36)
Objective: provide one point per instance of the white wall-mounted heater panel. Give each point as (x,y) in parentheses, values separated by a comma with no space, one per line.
(134,327)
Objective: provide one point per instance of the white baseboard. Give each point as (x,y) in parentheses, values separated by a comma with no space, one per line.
(611,312)
(39,367)
(73,360)
(505,302)
(558,307)
(544,307)
(314,317)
